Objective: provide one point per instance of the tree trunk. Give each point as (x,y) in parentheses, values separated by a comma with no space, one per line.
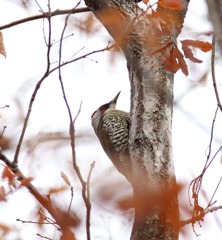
(145,40)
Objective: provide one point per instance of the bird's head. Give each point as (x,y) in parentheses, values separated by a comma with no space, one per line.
(96,116)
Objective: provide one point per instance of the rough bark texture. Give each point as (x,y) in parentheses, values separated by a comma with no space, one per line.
(215,13)
(143,44)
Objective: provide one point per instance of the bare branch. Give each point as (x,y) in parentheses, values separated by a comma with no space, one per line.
(6,106)
(3,130)
(45,15)
(211,139)
(80,106)
(43,237)
(88,214)
(197,182)
(213,73)
(72,138)
(210,202)
(70,203)
(38,85)
(36,222)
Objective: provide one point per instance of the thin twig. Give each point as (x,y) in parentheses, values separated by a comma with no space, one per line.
(213,73)
(39,6)
(36,222)
(3,130)
(211,138)
(43,237)
(89,177)
(88,214)
(219,149)
(196,183)
(72,132)
(107,48)
(79,111)
(210,202)
(70,203)
(25,124)
(6,106)
(38,85)
(45,15)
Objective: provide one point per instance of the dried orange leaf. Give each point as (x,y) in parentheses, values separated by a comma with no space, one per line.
(9,175)
(171,64)
(175,61)
(2,47)
(181,61)
(203,46)
(188,53)
(56,190)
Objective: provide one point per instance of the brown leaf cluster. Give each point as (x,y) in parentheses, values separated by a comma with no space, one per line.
(175,60)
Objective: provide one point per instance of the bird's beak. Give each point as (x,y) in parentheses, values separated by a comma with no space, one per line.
(115,99)
(112,103)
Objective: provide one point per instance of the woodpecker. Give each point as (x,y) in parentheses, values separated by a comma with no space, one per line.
(112,129)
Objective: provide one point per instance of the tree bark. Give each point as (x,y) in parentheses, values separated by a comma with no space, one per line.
(144,40)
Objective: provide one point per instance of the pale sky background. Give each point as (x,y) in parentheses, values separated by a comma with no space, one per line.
(95,81)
